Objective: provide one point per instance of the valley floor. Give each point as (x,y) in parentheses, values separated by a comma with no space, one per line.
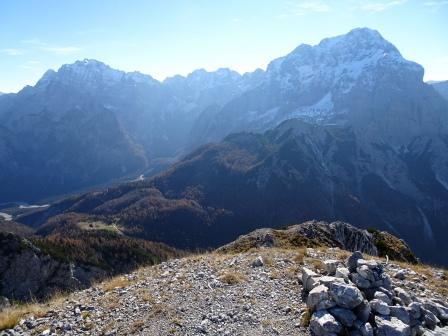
(253,293)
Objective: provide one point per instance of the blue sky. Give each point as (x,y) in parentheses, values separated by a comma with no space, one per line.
(167,37)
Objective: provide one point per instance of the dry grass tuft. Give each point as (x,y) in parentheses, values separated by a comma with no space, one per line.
(137,326)
(436,284)
(113,303)
(12,315)
(232,278)
(177,322)
(267,261)
(343,254)
(159,309)
(266,323)
(145,295)
(115,282)
(300,256)
(316,264)
(305,318)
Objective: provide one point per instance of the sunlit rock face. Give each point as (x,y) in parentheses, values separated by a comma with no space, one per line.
(358,79)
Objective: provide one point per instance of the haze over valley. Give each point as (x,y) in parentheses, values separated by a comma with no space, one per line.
(324,172)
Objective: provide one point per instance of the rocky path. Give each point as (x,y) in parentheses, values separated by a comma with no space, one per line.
(255,293)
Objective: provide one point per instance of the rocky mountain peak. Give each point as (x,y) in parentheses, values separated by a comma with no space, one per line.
(365,38)
(90,73)
(341,61)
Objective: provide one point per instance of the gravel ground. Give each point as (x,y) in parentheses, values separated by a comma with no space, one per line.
(209,294)
(254,293)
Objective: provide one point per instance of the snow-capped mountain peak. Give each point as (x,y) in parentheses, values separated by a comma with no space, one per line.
(357,78)
(342,61)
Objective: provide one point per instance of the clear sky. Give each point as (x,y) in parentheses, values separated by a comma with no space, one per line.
(167,37)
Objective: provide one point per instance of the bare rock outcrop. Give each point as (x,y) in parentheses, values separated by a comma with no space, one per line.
(26,272)
(366,302)
(321,233)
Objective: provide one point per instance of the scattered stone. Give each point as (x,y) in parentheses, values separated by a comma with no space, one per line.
(366,272)
(352,261)
(363,311)
(328,280)
(430,319)
(331,266)
(319,297)
(372,264)
(324,324)
(4,303)
(308,279)
(342,272)
(380,307)
(258,262)
(359,281)
(436,332)
(403,295)
(181,297)
(344,316)
(382,297)
(400,313)
(346,296)
(366,329)
(437,309)
(415,310)
(391,326)
(400,275)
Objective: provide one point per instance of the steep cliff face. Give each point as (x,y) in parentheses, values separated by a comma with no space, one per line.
(37,267)
(26,272)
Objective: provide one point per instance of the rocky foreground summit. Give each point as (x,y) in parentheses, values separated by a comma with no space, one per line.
(264,291)
(358,297)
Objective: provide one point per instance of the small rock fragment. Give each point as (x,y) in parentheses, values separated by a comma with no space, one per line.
(352,261)
(258,262)
(400,275)
(344,316)
(391,326)
(331,265)
(380,307)
(346,296)
(324,324)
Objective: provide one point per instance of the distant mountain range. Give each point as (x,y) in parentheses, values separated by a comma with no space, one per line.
(88,124)
(344,130)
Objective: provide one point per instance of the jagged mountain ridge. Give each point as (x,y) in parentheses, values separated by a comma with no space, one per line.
(88,123)
(113,124)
